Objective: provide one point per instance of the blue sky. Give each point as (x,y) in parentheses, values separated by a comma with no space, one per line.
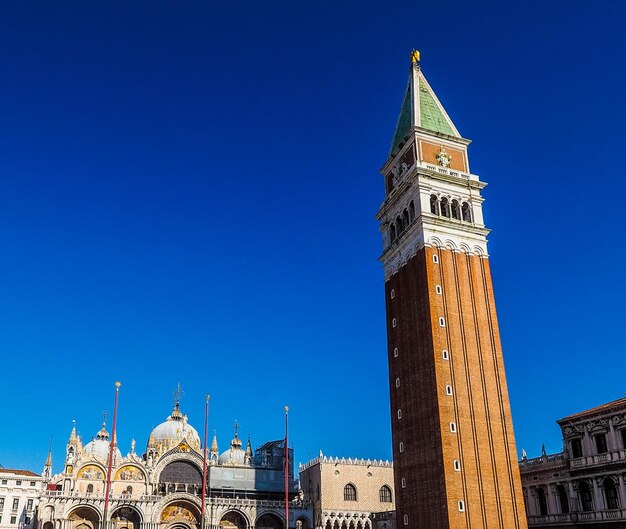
(187,194)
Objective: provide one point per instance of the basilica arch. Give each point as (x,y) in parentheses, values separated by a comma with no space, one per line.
(180,514)
(180,475)
(127,517)
(269,520)
(234,520)
(84,517)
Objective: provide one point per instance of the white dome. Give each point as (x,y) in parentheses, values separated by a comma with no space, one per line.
(171,432)
(99,448)
(232,456)
(235,455)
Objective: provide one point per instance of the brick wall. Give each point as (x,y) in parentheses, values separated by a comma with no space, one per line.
(467,389)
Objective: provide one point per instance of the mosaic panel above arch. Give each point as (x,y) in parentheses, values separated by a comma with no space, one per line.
(129,473)
(178,513)
(91,472)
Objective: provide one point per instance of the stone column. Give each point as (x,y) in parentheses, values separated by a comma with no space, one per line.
(573,497)
(587,444)
(611,442)
(622,493)
(550,499)
(598,499)
(533,508)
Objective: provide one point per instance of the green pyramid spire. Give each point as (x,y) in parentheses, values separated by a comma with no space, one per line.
(405,120)
(432,117)
(421,108)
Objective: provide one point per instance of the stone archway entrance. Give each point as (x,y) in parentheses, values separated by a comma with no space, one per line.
(233,520)
(126,518)
(180,515)
(84,517)
(268,521)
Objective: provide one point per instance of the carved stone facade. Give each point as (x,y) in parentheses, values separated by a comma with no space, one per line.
(584,485)
(348,493)
(162,489)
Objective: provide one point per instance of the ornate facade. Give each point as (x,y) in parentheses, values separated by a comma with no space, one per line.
(347,493)
(584,485)
(162,488)
(453,444)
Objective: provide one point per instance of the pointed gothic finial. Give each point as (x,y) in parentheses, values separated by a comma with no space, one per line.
(249,447)
(214,449)
(49,458)
(177,396)
(73,437)
(47,468)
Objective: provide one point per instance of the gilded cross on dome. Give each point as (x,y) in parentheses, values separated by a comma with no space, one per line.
(177,395)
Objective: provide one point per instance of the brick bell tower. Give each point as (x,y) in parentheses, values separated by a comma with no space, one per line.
(455,461)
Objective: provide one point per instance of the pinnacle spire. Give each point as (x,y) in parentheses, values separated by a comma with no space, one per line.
(420,109)
(73,437)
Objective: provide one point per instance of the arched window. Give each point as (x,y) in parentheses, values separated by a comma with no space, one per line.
(349,492)
(445,207)
(399,225)
(129,490)
(610,494)
(411,211)
(456,210)
(467,213)
(392,233)
(89,488)
(434,206)
(563,501)
(541,500)
(586,498)
(385,494)
(405,218)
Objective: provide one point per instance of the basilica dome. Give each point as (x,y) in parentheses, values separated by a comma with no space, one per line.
(99,447)
(175,429)
(235,455)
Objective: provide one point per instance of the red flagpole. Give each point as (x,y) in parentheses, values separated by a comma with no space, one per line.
(111,453)
(286,467)
(206,430)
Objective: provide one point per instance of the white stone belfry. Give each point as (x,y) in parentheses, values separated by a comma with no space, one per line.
(432,198)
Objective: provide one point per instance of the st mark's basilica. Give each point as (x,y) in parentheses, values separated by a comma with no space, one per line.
(163,486)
